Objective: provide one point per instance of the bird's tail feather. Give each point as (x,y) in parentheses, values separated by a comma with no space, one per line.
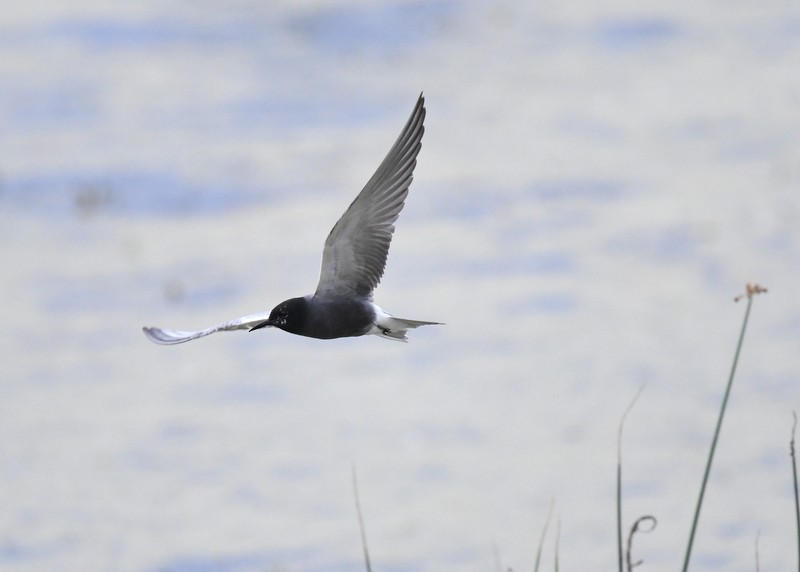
(392,328)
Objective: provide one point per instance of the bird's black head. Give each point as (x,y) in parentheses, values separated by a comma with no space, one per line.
(289,316)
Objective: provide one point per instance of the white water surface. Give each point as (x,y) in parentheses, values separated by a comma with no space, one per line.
(596,183)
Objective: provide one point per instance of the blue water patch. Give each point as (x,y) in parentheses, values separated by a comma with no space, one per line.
(257,393)
(735,530)
(295,472)
(374,29)
(773,459)
(711,560)
(233,563)
(108,295)
(258,562)
(553,303)
(14,553)
(180,431)
(666,245)
(589,190)
(644,488)
(747,147)
(11,551)
(29,109)
(782,383)
(105,34)
(673,243)
(553,262)
(127,193)
(470,206)
(111,34)
(634,34)
(586,127)
(272,116)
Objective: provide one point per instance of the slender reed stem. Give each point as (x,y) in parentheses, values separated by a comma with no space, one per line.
(619,476)
(796,495)
(361,521)
(558,542)
(752,289)
(541,539)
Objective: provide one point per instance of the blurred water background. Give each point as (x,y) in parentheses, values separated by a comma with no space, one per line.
(597,182)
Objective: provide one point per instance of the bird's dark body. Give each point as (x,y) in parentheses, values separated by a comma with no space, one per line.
(322,318)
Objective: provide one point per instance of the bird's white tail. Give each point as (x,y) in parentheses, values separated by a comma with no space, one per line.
(391,328)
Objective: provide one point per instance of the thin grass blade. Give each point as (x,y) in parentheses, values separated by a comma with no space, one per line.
(752,289)
(541,539)
(619,476)
(796,495)
(361,521)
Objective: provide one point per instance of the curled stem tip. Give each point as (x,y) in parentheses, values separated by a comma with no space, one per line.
(643,525)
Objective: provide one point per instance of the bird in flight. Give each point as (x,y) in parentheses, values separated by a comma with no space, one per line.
(353,261)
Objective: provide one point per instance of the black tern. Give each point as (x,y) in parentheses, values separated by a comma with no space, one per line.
(353,261)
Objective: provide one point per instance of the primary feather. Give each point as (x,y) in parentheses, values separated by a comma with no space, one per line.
(356,248)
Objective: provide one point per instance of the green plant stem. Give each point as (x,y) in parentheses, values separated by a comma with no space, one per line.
(558,542)
(796,495)
(716,436)
(619,514)
(361,521)
(619,476)
(541,538)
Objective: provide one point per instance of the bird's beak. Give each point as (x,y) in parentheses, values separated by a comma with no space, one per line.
(264,324)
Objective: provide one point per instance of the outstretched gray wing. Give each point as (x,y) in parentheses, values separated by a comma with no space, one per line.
(170,337)
(355,250)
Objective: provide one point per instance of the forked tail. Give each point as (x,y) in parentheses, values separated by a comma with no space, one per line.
(391,328)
